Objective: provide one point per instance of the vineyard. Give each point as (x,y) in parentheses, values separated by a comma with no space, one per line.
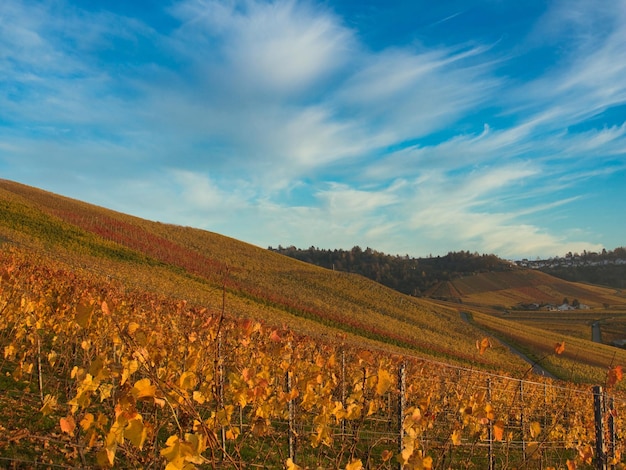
(100,375)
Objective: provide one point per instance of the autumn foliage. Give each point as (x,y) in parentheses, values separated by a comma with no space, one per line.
(133,378)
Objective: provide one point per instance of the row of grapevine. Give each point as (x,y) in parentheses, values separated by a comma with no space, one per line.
(132,379)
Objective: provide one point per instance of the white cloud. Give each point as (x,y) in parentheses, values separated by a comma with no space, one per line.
(280,48)
(243,101)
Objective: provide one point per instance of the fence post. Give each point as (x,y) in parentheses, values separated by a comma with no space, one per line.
(220,391)
(598,409)
(343,393)
(612,430)
(292,418)
(490,436)
(522,417)
(401,408)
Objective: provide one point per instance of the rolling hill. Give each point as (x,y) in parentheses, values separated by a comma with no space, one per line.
(201,266)
(135,343)
(509,289)
(218,272)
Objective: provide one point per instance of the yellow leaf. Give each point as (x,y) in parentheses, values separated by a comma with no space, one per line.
(172,451)
(532,451)
(52,358)
(406,453)
(87,421)
(355,464)
(68,425)
(9,351)
(338,411)
(188,380)
(49,405)
(105,391)
(372,408)
(456,438)
(385,381)
(290,465)
(83,314)
(135,432)
(130,367)
(143,389)
(535,429)
(105,457)
(232,434)
(132,327)
(223,416)
(199,397)
(489,412)
(354,411)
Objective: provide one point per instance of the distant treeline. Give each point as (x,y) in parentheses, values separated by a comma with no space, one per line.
(413,276)
(607,268)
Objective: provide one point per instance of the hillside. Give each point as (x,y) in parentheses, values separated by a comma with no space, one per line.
(519,287)
(140,342)
(200,266)
(218,272)
(413,276)
(483,280)
(134,343)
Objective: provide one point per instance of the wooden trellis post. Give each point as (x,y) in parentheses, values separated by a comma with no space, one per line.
(490,436)
(598,409)
(612,430)
(292,420)
(522,418)
(401,408)
(343,393)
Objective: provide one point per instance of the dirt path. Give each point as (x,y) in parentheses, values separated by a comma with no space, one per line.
(537,369)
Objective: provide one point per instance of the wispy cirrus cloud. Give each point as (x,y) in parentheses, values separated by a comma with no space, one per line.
(275,122)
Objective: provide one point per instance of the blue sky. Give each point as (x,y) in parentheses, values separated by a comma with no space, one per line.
(410,127)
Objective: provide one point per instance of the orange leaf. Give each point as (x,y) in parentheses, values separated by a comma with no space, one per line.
(559,347)
(105,308)
(482,345)
(68,425)
(571,465)
(586,454)
(498,430)
(275,336)
(615,375)
(365,356)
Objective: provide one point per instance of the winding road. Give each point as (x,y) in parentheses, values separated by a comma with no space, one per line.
(536,368)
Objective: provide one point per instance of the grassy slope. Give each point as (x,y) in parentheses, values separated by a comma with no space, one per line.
(487,296)
(182,262)
(507,289)
(258,283)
